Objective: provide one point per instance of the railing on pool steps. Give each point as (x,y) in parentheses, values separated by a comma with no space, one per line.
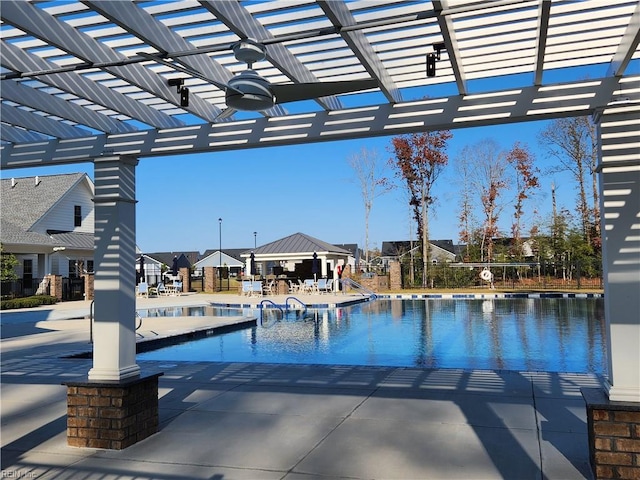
(349,282)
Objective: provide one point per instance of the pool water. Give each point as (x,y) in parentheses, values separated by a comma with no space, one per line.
(559,335)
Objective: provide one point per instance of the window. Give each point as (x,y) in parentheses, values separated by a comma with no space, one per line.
(77,216)
(90,266)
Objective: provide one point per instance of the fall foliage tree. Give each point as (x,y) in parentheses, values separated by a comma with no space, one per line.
(526,180)
(419,161)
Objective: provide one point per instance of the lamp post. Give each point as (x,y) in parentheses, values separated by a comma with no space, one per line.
(220,254)
(255,239)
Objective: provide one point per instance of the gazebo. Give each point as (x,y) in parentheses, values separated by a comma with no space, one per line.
(293,256)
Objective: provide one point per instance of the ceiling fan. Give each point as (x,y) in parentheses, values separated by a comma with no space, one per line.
(248,91)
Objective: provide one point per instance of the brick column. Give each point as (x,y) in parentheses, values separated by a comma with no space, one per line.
(210,280)
(614,440)
(111,415)
(395,276)
(88,287)
(185,276)
(55,286)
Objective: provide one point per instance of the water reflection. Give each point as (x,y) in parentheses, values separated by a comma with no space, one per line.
(514,334)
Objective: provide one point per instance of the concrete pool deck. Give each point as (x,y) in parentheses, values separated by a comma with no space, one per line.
(293,422)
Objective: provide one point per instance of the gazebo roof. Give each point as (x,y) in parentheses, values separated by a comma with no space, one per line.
(84,79)
(298,243)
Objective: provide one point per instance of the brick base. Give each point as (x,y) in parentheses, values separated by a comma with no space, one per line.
(614,436)
(112,415)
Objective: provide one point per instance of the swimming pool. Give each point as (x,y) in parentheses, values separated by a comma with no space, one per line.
(559,335)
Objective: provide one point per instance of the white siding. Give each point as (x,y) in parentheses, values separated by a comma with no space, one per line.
(60,217)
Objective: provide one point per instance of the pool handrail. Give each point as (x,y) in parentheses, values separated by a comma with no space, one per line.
(350,282)
(286,303)
(261,307)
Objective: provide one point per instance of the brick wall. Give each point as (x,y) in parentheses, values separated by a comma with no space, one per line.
(614,436)
(89,292)
(112,416)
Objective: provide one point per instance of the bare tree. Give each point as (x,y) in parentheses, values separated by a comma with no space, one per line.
(370,174)
(573,142)
(488,176)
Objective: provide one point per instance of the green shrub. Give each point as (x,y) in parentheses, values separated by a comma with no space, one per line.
(28,302)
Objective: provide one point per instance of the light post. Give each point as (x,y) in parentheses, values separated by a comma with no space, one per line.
(220,254)
(255,239)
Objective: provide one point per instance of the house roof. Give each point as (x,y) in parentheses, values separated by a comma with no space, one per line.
(26,200)
(297,243)
(167,258)
(232,252)
(214,260)
(399,247)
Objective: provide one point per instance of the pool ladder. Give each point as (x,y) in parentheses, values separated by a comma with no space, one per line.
(271,304)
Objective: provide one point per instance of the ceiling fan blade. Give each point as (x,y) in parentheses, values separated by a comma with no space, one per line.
(224,114)
(307,91)
(188,71)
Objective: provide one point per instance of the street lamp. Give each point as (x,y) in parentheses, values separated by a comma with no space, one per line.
(220,254)
(255,239)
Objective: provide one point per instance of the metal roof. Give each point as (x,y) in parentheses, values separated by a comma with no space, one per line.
(78,82)
(294,244)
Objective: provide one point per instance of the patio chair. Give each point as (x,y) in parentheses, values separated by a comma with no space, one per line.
(247,286)
(143,289)
(321,286)
(310,286)
(161,291)
(270,288)
(293,288)
(256,288)
(329,288)
(177,288)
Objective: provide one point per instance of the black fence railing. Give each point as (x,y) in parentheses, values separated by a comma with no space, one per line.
(72,288)
(546,275)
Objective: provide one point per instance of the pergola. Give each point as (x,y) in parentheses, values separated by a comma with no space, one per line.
(104,82)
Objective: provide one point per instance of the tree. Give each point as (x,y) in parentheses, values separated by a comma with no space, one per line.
(467,222)
(9,262)
(419,160)
(369,172)
(525,180)
(573,142)
(487,168)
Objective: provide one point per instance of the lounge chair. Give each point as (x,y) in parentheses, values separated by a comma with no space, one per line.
(161,291)
(256,288)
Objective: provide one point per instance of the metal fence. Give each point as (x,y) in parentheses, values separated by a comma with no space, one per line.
(546,275)
(72,288)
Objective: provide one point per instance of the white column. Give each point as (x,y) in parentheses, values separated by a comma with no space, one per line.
(114,336)
(619,142)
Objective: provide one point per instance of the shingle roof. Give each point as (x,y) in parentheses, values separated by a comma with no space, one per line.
(25,201)
(298,243)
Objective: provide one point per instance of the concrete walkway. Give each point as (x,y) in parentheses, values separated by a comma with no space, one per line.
(296,422)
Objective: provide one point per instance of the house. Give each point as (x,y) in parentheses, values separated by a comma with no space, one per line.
(166,260)
(440,250)
(47,223)
(215,258)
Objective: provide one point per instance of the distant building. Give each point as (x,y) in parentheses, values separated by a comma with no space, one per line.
(441,251)
(47,223)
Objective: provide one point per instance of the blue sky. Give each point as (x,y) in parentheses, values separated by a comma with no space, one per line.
(278,191)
